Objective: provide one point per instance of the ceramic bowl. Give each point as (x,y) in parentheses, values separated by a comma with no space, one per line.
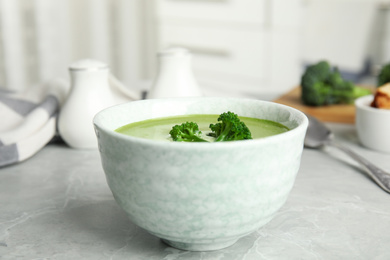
(372,125)
(200,196)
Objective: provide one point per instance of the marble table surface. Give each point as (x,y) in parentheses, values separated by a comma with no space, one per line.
(57,205)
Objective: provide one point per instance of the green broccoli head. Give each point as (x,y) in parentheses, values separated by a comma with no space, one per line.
(384,75)
(315,73)
(230,128)
(186,132)
(317,95)
(335,80)
(321,85)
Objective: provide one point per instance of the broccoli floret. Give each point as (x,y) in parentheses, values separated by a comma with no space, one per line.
(322,85)
(315,73)
(230,128)
(186,132)
(384,75)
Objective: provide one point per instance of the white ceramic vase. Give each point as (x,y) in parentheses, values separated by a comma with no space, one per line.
(89,93)
(175,77)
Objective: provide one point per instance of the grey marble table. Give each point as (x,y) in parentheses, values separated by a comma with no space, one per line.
(57,205)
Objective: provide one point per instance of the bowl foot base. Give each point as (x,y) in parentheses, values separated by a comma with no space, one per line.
(200,246)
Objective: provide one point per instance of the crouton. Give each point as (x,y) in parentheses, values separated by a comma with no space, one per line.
(382,97)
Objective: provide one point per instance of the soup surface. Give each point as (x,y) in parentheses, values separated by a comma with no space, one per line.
(158,128)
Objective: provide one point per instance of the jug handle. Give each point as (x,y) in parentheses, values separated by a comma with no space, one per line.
(114,82)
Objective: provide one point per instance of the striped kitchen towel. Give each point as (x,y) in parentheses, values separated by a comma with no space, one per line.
(28,120)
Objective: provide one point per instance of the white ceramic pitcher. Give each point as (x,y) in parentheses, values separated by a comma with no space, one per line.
(175,77)
(93,88)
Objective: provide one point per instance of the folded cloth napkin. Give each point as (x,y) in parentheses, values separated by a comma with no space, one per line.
(28,120)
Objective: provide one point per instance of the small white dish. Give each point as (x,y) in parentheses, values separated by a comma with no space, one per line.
(372,125)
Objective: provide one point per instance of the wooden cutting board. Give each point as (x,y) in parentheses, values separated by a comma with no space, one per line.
(333,113)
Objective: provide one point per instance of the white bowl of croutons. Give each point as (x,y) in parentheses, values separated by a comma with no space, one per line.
(373,119)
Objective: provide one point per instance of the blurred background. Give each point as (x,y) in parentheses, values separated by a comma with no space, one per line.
(248,48)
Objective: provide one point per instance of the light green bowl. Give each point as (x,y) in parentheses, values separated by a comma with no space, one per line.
(200,196)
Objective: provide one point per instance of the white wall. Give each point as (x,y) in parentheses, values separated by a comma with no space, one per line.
(347,32)
(40,38)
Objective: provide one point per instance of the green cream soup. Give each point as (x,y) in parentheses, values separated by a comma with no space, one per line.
(158,128)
